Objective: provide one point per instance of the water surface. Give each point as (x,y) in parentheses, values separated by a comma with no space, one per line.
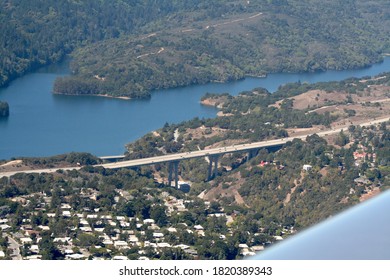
(43,124)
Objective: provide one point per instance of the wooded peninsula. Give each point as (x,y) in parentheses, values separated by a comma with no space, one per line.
(129,48)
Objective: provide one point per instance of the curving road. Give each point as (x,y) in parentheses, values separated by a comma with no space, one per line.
(14,246)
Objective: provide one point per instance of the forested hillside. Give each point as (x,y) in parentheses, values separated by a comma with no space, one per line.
(262,37)
(35,32)
(144,45)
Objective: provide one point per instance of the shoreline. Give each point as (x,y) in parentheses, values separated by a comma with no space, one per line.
(95,95)
(261,76)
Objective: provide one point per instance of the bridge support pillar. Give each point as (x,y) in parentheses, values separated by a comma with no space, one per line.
(213,160)
(251,154)
(173,167)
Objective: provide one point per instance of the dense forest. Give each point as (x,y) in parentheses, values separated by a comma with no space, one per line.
(35,33)
(132,47)
(264,37)
(4,109)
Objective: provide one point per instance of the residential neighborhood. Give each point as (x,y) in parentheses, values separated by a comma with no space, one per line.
(96,214)
(96,235)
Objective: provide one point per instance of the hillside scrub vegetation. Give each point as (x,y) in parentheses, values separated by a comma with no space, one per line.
(260,38)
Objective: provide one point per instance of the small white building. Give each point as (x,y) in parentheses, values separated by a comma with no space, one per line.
(247,253)
(307,167)
(44,228)
(172,229)
(120,258)
(92,216)
(66,214)
(33,257)
(86,229)
(108,242)
(26,240)
(124,224)
(75,257)
(68,252)
(258,248)
(182,246)
(198,227)
(106,217)
(158,235)
(62,239)
(4,227)
(133,238)
(163,245)
(278,238)
(120,244)
(153,227)
(84,222)
(112,223)
(34,249)
(150,244)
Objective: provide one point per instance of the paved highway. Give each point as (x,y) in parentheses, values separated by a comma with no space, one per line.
(228,149)
(201,153)
(14,246)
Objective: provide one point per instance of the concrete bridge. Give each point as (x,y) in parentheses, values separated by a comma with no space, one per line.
(112,158)
(212,154)
(174,159)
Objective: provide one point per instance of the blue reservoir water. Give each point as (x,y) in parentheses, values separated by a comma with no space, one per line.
(43,124)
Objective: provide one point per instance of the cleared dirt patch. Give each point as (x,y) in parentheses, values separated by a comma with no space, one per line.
(370,193)
(219,192)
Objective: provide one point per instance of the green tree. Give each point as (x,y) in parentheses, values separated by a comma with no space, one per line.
(158,213)
(48,249)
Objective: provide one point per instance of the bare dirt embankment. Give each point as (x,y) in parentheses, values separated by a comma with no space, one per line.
(351,109)
(20,165)
(315,99)
(13,165)
(232,191)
